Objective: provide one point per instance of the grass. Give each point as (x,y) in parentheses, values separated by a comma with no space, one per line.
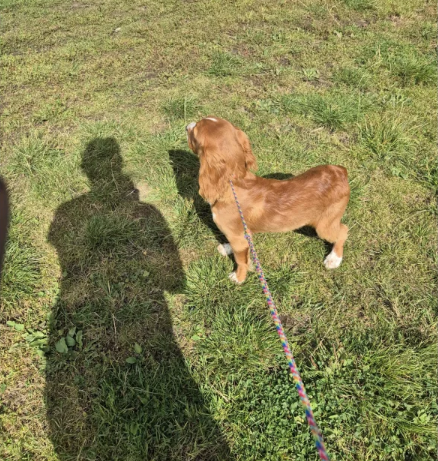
(180,108)
(223,64)
(121,335)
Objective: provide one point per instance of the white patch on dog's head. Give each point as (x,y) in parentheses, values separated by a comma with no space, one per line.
(189,127)
(210,118)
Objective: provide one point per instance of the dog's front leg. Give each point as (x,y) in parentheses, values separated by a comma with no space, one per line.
(241,255)
(237,245)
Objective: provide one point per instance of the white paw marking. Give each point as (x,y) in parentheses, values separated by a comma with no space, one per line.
(214,216)
(210,118)
(332,261)
(233,278)
(225,249)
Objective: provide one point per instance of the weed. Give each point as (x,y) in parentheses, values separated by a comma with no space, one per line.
(332,111)
(181,108)
(310,75)
(352,77)
(413,70)
(223,64)
(385,138)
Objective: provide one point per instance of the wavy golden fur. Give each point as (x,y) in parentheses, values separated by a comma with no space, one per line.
(316,198)
(222,157)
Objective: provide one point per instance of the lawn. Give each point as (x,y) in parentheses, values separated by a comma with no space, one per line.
(121,336)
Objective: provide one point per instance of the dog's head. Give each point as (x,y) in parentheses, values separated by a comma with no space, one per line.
(224,153)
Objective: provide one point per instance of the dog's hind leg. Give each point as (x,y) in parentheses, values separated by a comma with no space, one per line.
(331,229)
(334,258)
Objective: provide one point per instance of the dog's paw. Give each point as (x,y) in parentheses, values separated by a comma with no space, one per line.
(233,278)
(332,261)
(225,249)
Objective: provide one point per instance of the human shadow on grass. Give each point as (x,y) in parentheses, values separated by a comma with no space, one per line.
(186,169)
(118,387)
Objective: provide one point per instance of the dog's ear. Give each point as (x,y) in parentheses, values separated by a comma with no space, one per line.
(213,177)
(220,164)
(250,160)
(229,158)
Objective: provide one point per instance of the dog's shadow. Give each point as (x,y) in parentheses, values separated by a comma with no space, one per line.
(186,169)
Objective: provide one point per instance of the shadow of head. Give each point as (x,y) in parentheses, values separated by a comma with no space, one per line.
(102,162)
(101,159)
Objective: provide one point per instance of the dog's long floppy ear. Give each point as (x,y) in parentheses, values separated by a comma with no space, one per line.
(220,163)
(228,158)
(250,160)
(213,177)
